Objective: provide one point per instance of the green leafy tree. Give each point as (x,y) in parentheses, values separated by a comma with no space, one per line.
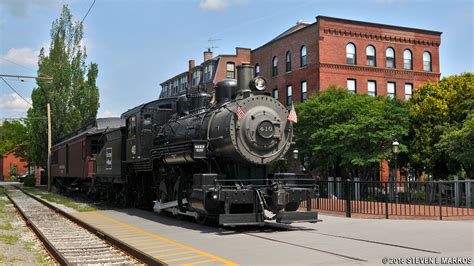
(459,144)
(340,133)
(14,134)
(440,124)
(73,92)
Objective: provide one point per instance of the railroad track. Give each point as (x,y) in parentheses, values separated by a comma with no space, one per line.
(69,243)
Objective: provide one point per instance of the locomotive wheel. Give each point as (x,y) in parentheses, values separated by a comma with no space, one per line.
(163,196)
(201,219)
(292,206)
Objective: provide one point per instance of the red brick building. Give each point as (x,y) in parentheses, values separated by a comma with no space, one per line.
(364,57)
(203,77)
(7,161)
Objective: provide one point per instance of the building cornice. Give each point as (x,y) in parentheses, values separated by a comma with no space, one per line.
(390,71)
(379,37)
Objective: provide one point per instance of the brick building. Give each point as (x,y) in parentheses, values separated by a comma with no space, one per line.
(7,161)
(203,77)
(364,57)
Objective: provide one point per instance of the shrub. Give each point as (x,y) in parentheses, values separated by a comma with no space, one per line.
(44,180)
(29,181)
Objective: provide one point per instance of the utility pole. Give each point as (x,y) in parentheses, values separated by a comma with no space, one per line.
(48,110)
(48,107)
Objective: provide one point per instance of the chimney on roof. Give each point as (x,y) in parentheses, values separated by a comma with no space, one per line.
(207,54)
(191,65)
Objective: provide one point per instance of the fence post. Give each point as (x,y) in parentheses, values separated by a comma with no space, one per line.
(330,187)
(457,191)
(386,200)
(356,188)
(348,197)
(439,200)
(468,193)
(338,187)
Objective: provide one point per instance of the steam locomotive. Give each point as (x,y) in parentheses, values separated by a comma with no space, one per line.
(193,156)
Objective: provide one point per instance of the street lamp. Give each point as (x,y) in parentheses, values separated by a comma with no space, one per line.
(395,151)
(295,154)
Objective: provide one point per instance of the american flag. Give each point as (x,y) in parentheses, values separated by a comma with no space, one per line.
(240,113)
(292,115)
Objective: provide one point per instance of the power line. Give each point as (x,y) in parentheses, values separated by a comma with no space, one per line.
(8,84)
(15,63)
(88,11)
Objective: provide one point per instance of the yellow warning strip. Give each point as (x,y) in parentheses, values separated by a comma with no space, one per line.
(141,237)
(197,262)
(149,244)
(202,253)
(185,258)
(163,250)
(174,254)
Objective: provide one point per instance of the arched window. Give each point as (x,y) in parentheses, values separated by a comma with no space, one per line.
(275,66)
(350,54)
(370,53)
(426,61)
(390,57)
(257,69)
(303,56)
(288,61)
(407,59)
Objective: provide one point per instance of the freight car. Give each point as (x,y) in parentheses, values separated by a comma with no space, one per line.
(202,157)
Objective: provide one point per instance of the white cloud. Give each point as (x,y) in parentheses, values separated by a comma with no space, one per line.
(13,103)
(107,113)
(215,5)
(21,56)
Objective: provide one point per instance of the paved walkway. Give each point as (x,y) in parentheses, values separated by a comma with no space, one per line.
(336,240)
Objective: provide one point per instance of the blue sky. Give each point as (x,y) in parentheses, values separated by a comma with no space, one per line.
(139,44)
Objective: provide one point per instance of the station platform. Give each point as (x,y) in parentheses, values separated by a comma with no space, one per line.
(334,241)
(157,246)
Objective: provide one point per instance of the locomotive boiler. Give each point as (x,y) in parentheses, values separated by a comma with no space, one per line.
(211,158)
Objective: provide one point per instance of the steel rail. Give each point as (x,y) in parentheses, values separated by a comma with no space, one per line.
(127,249)
(51,249)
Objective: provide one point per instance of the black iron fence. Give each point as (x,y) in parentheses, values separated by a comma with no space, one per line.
(433,199)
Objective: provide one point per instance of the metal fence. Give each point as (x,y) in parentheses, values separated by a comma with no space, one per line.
(392,199)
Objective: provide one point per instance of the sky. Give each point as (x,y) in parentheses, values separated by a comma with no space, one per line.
(139,44)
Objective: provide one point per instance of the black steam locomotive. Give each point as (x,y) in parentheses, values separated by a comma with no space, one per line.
(193,155)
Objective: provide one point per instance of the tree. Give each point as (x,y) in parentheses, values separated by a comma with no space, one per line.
(459,144)
(14,134)
(342,133)
(73,92)
(440,123)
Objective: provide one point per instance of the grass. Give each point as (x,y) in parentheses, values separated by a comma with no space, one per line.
(9,239)
(31,247)
(51,197)
(6,227)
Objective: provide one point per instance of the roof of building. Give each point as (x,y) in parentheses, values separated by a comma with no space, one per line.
(303,25)
(348,21)
(299,25)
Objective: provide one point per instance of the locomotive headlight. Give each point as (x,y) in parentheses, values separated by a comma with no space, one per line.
(258,83)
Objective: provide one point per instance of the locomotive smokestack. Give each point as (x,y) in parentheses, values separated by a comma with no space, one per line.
(244,76)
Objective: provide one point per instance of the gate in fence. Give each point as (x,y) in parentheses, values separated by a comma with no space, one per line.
(391,199)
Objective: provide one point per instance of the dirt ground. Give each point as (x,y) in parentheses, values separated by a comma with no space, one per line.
(18,244)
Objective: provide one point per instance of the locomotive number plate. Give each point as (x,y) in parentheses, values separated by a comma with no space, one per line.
(266,129)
